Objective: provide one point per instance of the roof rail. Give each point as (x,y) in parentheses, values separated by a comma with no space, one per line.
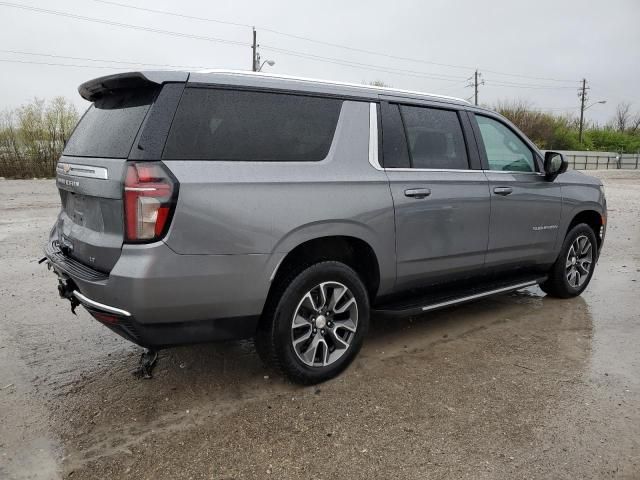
(388,90)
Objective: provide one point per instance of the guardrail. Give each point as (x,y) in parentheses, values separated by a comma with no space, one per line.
(603,162)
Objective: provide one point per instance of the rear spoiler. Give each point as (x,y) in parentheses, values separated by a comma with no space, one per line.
(96,88)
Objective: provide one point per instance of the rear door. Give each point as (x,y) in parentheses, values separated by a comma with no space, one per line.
(440,195)
(90,173)
(525,207)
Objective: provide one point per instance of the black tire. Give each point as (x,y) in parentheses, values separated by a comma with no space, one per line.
(557,284)
(274,338)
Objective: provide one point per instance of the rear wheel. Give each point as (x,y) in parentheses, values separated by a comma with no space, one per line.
(572,271)
(316,326)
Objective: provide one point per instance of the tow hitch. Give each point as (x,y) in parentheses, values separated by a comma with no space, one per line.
(65,286)
(65,290)
(147,362)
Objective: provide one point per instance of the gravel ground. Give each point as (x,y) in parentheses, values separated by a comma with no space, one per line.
(516,386)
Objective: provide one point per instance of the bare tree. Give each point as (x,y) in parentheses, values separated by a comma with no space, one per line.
(33,136)
(634,124)
(622,116)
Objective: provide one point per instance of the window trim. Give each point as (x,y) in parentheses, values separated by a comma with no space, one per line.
(374,136)
(483,151)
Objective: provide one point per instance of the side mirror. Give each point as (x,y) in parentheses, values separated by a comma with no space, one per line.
(554,165)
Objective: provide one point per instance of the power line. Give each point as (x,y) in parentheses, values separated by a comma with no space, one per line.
(520,84)
(443,77)
(175,14)
(352,64)
(124,25)
(459,86)
(103,60)
(277,32)
(434,76)
(516,85)
(368,66)
(529,76)
(52,64)
(322,42)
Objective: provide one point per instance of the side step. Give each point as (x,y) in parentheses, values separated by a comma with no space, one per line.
(435,301)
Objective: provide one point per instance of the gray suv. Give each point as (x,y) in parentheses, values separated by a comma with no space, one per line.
(222,205)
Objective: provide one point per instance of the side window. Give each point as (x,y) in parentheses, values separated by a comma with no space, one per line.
(435,138)
(505,150)
(215,124)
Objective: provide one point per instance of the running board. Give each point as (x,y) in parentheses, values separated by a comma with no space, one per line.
(438,301)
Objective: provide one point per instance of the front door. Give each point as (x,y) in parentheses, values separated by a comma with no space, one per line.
(525,206)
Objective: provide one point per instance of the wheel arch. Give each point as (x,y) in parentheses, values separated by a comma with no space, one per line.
(350,250)
(593,219)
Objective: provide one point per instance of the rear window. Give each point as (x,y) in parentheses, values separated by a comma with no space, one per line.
(215,124)
(111,124)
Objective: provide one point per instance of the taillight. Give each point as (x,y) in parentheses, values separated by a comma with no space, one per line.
(149,199)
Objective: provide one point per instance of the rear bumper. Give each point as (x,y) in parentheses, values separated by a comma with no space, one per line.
(157,298)
(168,334)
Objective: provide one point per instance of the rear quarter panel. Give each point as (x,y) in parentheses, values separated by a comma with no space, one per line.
(240,208)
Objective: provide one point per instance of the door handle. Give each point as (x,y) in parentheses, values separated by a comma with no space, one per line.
(502,190)
(417,192)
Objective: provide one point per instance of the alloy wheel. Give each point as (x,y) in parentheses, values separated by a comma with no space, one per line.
(579,261)
(324,324)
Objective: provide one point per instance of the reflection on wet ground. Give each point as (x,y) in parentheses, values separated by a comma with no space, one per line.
(515,386)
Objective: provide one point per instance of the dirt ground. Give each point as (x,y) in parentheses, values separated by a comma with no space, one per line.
(516,386)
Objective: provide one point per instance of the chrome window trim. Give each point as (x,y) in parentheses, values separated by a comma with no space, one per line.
(466,170)
(431,170)
(373,136)
(512,172)
(77,170)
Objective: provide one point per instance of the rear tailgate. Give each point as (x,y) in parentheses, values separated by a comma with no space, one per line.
(90,174)
(90,227)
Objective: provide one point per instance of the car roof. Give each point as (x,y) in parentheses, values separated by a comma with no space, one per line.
(294,83)
(94,88)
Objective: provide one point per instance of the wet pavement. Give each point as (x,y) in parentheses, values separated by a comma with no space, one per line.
(516,386)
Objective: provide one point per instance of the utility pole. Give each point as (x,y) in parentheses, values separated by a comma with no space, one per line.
(254,62)
(475,85)
(582,94)
(476,81)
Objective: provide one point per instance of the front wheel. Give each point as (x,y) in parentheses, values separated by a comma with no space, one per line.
(317,325)
(572,271)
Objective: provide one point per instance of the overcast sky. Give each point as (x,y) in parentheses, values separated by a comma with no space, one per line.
(550,39)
